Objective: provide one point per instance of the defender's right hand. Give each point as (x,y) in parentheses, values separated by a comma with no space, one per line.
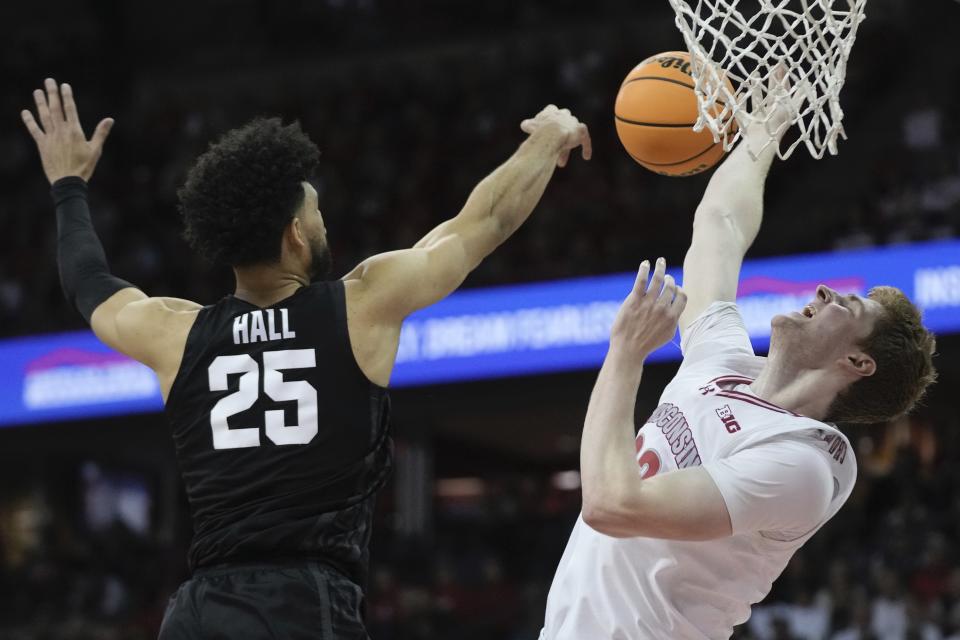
(572,132)
(648,318)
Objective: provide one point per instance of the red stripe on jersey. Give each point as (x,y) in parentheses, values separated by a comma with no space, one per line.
(731,379)
(738,395)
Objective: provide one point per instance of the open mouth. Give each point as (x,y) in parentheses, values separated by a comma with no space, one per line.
(809,311)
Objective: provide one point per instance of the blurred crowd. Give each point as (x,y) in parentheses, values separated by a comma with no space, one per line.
(885,568)
(409,118)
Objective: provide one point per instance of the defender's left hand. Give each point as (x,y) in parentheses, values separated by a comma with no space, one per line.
(64,148)
(572,133)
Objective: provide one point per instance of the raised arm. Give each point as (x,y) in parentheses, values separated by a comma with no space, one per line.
(683,505)
(393,285)
(727,221)
(121,315)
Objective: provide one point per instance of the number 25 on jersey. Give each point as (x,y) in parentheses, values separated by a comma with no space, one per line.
(275,387)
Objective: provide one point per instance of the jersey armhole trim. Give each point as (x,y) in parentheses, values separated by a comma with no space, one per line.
(339,299)
(188,347)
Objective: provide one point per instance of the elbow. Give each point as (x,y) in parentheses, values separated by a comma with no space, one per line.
(595,516)
(715,215)
(604,516)
(719,223)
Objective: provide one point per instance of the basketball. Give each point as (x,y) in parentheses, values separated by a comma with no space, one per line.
(655,111)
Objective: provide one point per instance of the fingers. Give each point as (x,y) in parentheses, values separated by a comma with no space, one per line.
(680,302)
(777,74)
(101,132)
(35,132)
(53,99)
(663,286)
(575,133)
(586,145)
(530,125)
(547,110)
(672,300)
(656,283)
(69,106)
(43,111)
(669,291)
(640,285)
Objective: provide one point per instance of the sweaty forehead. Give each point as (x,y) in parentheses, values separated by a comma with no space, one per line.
(871,306)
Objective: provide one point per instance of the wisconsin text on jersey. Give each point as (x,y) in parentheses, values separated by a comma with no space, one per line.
(251,327)
(671,421)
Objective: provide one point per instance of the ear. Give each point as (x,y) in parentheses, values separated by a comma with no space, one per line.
(295,233)
(859,364)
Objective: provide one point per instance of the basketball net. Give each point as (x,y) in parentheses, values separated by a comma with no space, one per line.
(744,40)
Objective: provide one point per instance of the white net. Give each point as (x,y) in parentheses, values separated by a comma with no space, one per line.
(745,40)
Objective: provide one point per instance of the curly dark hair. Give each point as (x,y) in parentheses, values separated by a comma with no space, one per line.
(245,189)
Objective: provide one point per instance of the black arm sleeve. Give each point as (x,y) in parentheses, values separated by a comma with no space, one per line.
(84,274)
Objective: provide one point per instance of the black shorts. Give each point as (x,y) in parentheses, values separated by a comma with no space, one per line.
(266,601)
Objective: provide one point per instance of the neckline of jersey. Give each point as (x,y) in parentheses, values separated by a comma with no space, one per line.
(747,391)
(269,306)
(743,381)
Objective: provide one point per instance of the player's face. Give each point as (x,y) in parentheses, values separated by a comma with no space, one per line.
(830,327)
(320,259)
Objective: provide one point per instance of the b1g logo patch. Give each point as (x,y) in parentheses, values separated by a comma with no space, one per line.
(725,413)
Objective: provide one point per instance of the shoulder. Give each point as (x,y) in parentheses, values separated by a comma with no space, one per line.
(377,292)
(774,425)
(819,451)
(719,330)
(158,310)
(825,456)
(784,487)
(356,298)
(156,329)
(838,451)
(831,443)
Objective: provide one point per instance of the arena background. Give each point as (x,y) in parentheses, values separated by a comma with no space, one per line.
(412,103)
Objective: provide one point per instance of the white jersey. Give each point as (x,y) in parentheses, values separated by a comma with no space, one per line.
(781,475)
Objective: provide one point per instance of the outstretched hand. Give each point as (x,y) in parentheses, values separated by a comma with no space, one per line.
(572,132)
(779,108)
(64,148)
(648,318)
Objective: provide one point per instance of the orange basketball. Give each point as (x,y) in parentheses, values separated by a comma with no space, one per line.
(655,111)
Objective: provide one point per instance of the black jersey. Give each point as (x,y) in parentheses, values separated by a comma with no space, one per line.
(281,439)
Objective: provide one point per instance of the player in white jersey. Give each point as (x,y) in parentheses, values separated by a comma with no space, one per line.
(739,465)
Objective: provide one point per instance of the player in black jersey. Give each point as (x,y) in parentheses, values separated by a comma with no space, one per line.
(276,395)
